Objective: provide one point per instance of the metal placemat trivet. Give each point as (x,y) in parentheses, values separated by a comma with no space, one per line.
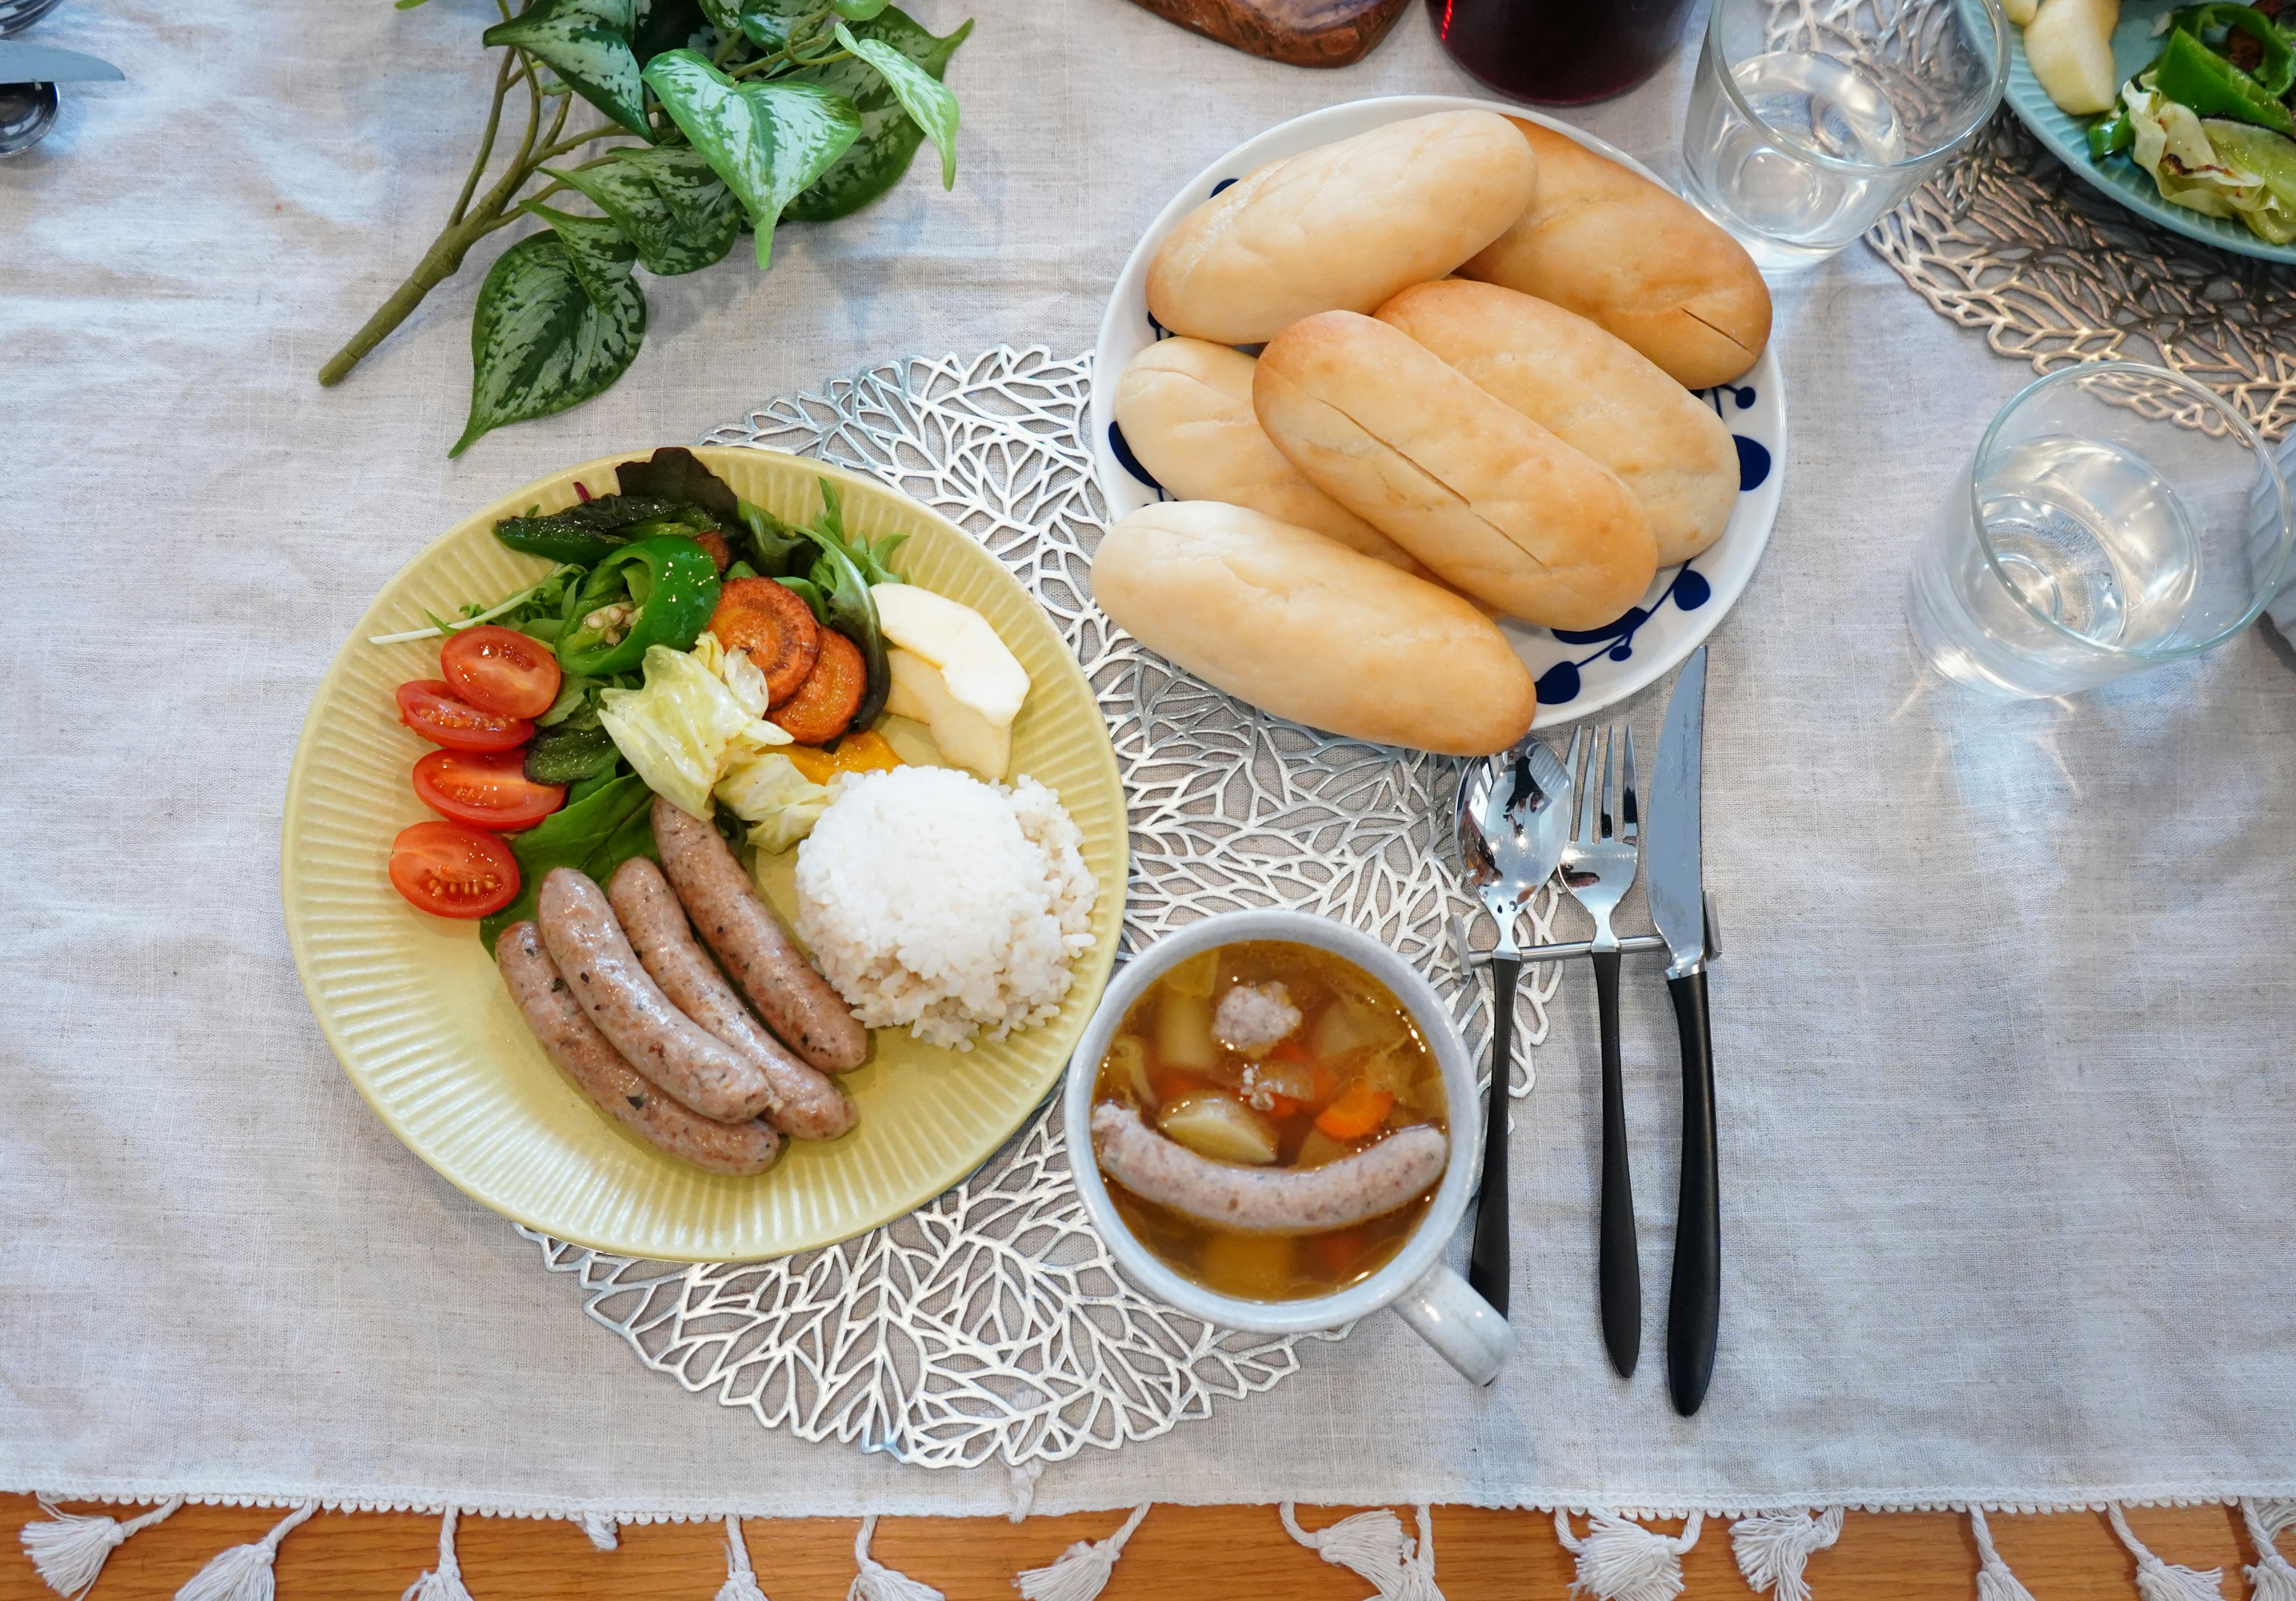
(990,1325)
(2012,241)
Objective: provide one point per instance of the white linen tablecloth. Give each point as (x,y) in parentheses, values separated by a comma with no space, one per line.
(2001,1035)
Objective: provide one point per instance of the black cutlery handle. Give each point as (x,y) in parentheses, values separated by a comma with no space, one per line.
(1488,1267)
(1618,1272)
(1693,1314)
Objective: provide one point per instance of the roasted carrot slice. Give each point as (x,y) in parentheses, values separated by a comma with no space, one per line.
(768,620)
(714,542)
(1359,1109)
(824,705)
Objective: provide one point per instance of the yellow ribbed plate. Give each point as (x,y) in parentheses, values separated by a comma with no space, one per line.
(414,1009)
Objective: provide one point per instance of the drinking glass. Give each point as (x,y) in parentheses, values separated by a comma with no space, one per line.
(2114,517)
(1810,119)
(1560,51)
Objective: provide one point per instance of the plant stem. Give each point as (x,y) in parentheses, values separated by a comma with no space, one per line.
(486,140)
(439,263)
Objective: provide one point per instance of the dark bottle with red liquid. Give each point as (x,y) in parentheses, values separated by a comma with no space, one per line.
(1560,51)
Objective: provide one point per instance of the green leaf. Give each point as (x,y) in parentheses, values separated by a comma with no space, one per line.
(538,345)
(889,136)
(587,43)
(697,197)
(599,252)
(724,15)
(856,11)
(597,829)
(666,242)
(926,99)
(768,141)
(768,23)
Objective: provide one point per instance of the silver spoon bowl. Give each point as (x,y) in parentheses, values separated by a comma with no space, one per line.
(1514,820)
(27,112)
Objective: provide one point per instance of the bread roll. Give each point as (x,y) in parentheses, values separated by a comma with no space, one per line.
(1619,250)
(1499,506)
(1343,225)
(1184,406)
(1306,628)
(1592,391)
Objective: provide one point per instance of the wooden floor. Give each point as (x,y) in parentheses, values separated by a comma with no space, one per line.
(1180,1554)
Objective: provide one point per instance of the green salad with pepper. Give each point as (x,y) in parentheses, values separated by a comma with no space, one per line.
(2209,118)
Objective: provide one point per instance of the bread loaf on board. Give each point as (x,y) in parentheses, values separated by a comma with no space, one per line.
(1304,627)
(1592,391)
(1343,226)
(1622,252)
(1501,508)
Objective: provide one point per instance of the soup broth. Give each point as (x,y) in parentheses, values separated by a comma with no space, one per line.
(1315,1061)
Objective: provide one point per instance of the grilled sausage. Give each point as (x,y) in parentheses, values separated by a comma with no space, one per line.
(586,1056)
(1261,1200)
(796,1001)
(805,1105)
(684,1060)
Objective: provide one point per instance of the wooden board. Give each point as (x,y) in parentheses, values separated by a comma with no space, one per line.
(1480,1556)
(1303,33)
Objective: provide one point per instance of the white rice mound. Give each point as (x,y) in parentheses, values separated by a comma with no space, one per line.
(933,900)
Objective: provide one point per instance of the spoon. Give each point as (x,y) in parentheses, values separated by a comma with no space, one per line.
(1513,821)
(27,112)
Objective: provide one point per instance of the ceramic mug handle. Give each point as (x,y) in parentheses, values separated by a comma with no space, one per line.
(1459,1324)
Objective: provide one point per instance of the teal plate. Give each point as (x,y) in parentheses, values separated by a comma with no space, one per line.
(2134,47)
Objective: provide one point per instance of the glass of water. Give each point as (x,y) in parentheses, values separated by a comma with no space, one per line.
(2114,517)
(1811,118)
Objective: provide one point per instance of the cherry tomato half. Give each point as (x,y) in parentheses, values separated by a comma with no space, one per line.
(452,871)
(429,707)
(487,789)
(501,670)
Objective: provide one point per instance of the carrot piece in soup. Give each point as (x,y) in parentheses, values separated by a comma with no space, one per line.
(1359,1111)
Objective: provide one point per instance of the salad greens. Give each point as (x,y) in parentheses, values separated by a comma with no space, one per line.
(716,117)
(2208,118)
(650,702)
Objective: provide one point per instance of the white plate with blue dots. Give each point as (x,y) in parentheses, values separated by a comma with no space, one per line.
(1580,671)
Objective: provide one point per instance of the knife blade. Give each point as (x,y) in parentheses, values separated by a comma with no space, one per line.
(22,63)
(1670,839)
(1677,904)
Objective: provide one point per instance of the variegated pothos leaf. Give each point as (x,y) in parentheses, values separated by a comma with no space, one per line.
(537,343)
(768,141)
(588,43)
(922,95)
(888,136)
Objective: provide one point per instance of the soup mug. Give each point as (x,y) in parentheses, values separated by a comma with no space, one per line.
(1428,1295)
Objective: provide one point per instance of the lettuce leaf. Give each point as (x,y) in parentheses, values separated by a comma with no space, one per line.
(683,728)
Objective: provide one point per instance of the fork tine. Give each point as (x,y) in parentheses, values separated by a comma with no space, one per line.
(1631,814)
(1582,829)
(1610,779)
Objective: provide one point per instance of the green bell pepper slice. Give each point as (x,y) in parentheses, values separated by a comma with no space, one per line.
(649,592)
(2111,134)
(2276,72)
(2193,75)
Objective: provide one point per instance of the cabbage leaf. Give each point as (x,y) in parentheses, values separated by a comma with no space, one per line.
(682,729)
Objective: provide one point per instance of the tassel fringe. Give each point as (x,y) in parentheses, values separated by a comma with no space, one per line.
(445,1581)
(874,1581)
(2271,1577)
(1024,1490)
(67,1550)
(1372,1545)
(604,1533)
(1774,1548)
(1080,1572)
(1622,1561)
(2159,1580)
(1995,1582)
(243,1573)
(741,1581)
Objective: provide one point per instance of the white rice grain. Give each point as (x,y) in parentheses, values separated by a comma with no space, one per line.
(944,905)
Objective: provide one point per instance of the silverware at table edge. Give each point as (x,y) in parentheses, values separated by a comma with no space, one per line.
(22,63)
(1598,867)
(1512,819)
(1676,893)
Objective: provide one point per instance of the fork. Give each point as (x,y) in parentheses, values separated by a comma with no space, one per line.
(1598,867)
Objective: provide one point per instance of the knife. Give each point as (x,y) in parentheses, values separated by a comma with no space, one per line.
(1677,906)
(22,63)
